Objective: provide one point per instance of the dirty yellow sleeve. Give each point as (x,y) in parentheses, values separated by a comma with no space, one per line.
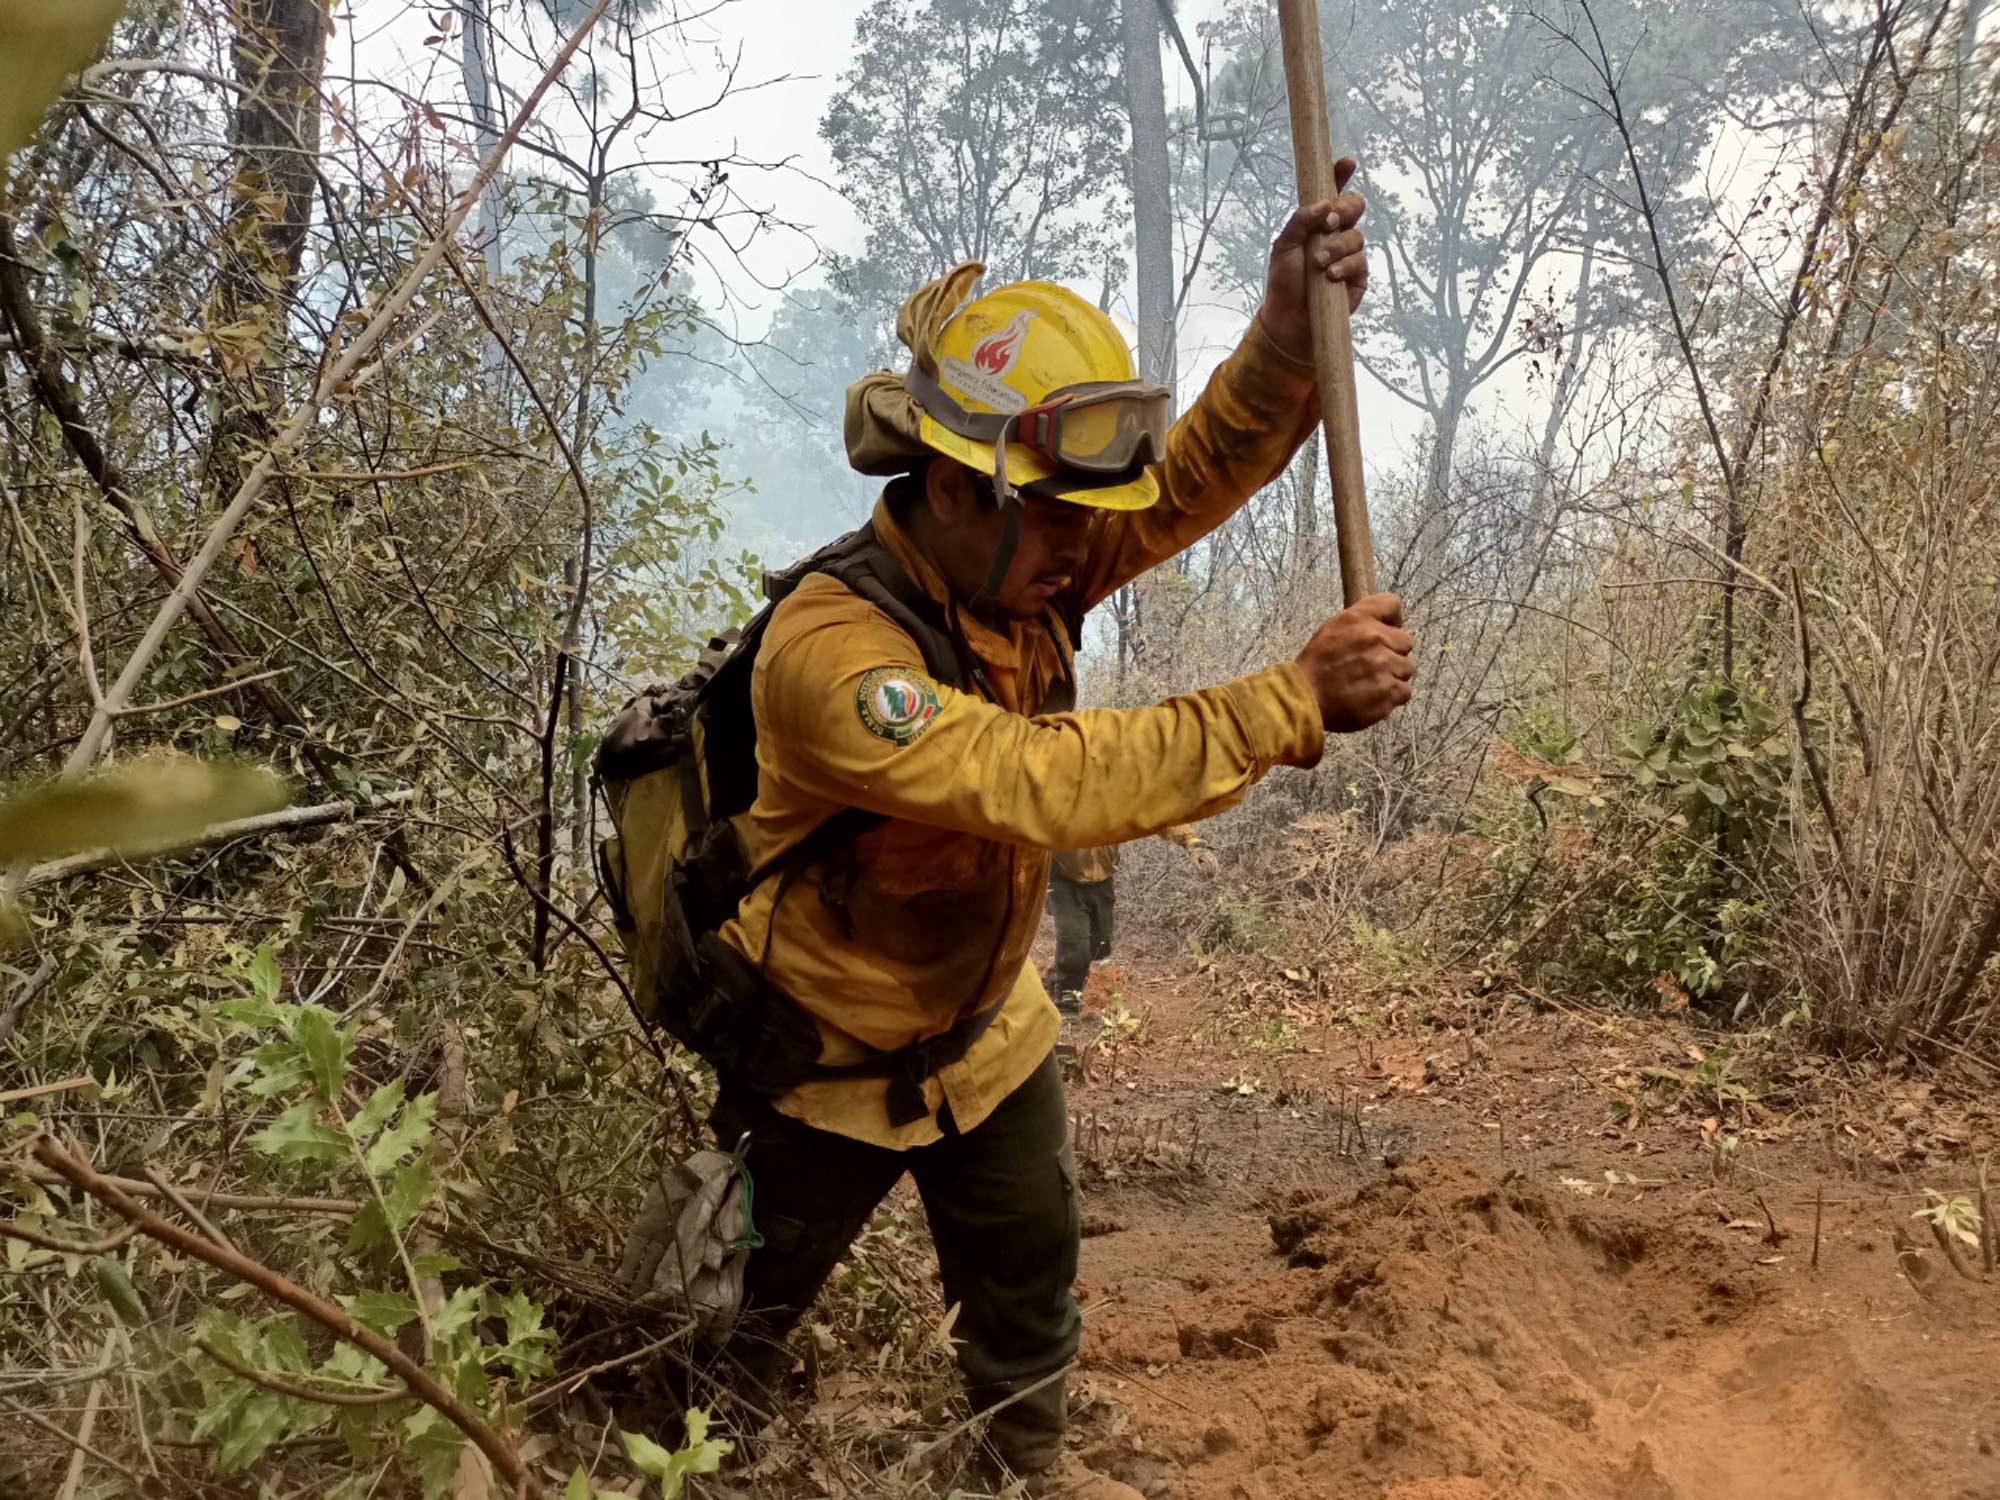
(1238,436)
(851,718)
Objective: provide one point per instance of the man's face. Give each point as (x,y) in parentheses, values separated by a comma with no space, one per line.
(1055,537)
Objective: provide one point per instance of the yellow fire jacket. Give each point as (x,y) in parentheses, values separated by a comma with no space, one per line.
(942,901)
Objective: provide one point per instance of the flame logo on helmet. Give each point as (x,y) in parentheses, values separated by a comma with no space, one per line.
(997,352)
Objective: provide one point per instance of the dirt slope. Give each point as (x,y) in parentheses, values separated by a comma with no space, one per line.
(1377,1272)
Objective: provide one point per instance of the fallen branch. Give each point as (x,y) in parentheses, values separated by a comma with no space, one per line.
(289,820)
(74,1169)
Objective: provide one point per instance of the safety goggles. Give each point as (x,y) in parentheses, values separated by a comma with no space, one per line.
(1104,427)
(1097,427)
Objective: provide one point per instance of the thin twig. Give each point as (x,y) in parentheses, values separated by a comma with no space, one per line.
(86,657)
(1801,703)
(211,1198)
(31,986)
(569,1383)
(80,1444)
(288,820)
(952,1434)
(283,1387)
(209,692)
(1773,1236)
(42,1090)
(180,1201)
(124,1232)
(686,1105)
(87,1424)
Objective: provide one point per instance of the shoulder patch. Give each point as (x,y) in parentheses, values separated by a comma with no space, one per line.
(896,704)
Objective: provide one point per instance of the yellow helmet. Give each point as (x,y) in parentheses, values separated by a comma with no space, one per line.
(1034,373)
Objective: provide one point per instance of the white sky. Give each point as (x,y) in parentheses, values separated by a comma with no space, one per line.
(788,56)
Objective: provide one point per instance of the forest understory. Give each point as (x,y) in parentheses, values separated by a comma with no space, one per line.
(1431,1246)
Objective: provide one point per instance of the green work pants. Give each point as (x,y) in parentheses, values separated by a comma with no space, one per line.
(1083,933)
(1002,1203)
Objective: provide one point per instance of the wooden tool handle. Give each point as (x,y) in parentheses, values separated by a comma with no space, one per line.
(1333,344)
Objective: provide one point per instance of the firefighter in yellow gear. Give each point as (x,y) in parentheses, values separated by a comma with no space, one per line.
(1031,473)
(1083,899)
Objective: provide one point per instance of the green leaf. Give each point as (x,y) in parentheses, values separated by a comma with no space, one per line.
(116,1286)
(255,1012)
(525,1352)
(261,972)
(437,1263)
(260,1422)
(373,1115)
(702,1455)
(524,1318)
(285,1349)
(458,1311)
(298,1136)
(351,1365)
(405,1136)
(405,1194)
(324,1049)
(433,1444)
(280,1067)
(382,1311)
(647,1456)
(578,1487)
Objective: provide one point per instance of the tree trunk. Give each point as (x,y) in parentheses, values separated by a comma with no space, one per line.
(280,53)
(1152,202)
(280,56)
(580,438)
(1572,368)
(475,48)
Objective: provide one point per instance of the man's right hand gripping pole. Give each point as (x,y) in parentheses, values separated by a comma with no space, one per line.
(1358,664)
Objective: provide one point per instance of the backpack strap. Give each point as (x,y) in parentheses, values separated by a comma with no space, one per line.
(862,563)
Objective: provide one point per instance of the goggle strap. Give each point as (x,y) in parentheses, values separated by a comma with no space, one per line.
(980,426)
(993,427)
(1010,531)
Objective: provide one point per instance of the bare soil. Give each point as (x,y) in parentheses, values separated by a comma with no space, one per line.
(1498,1249)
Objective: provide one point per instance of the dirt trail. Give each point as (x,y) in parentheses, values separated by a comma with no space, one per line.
(1403,1271)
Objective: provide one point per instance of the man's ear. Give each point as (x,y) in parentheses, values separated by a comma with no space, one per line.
(946,493)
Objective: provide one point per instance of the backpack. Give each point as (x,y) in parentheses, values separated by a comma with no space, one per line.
(677,770)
